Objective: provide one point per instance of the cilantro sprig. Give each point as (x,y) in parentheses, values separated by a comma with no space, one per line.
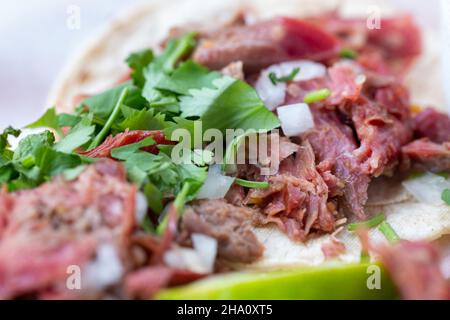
(166,92)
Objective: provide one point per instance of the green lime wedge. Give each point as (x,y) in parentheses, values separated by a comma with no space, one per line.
(345,281)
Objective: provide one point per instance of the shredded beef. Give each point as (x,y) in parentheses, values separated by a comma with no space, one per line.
(126,138)
(414,268)
(297,197)
(264,43)
(228,224)
(424,154)
(432,124)
(59,224)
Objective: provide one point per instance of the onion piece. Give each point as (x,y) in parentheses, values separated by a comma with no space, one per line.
(206,247)
(295,119)
(141,207)
(105,270)
(216,184)
(200,259)
(427,188)
(274,95)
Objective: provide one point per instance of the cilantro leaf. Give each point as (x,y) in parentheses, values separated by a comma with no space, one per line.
(144,119)
(77,137)
(232,104)
(48,120)
(123,153)
(102,105)
(6,154)
(138,61)
(164,64)
(445,196)
(189,75)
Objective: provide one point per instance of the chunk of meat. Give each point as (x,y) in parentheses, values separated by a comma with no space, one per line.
(388,49)
(333,248)
(228,224)
(424,154)
(398,37)
(235,70)
(414,268)
(126,138)
(381,137)
(265,43)
(144,283)
(432,124)
(297,197)
(333,144)
(61,223)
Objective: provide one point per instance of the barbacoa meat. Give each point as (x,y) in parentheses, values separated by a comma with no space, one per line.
(389,48)
(424,154)
(262,44)
(432,150)
(297,197)
(126,138)
(432,124)
(414,268)
(228,224)
(334,144)
(47,229)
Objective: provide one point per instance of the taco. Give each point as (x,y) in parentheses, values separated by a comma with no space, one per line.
(134,187)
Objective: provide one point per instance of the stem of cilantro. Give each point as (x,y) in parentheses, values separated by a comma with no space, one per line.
(112,118)
(369,224)
(390,234)
(252,184)
(178,203)
(317,95)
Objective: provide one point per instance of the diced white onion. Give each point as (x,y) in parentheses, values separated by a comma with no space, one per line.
(295,119)
(216,184)
(141,207)
(206,248)
(274,95)
(200,259)
(105,270)
(427,188)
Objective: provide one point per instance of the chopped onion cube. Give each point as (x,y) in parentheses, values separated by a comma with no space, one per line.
(105,270)
(427,188)
(140,207)
(295,119)
(216,184)
(206,248)
(274,95)
(201,259)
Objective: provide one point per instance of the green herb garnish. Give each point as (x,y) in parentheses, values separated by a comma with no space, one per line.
(317,95)
(369,224)
(275,79)
(348,53)
(112,118)
(445,196)
(386,229)
(252,184)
